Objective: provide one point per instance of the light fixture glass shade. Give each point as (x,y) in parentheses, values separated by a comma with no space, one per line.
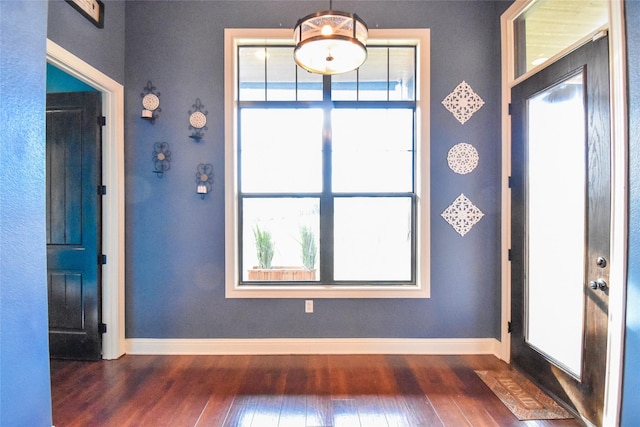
(330,42)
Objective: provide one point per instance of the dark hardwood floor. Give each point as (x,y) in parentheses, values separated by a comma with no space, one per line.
(291,391)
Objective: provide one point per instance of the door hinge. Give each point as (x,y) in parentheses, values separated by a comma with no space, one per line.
(509,327)
(102,190)
(509,182)
(509,255)
(510,108)
(102,259)
(102,121)
(102,328)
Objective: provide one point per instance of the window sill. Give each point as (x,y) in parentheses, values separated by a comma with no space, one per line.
(326,291)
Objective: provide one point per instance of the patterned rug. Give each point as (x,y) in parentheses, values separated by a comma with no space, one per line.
(524,399)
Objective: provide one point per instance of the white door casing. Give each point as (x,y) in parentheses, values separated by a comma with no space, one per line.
(113,277)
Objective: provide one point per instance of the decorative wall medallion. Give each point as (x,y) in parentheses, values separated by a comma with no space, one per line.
(462,158)
(463,102)
(161,158)
(197,120)
(150,102)
(462,215)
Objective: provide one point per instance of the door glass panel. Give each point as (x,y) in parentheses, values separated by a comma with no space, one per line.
(556,222)
(551,26)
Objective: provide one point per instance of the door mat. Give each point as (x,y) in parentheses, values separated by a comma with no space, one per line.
(523,398)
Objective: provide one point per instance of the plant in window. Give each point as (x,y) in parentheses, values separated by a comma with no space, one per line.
(265,271)
(308,247)
(264,247)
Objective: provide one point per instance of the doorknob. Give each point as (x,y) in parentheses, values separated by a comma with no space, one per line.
(598,284)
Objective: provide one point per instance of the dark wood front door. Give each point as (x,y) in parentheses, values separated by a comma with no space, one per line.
(74,210)
(561,227)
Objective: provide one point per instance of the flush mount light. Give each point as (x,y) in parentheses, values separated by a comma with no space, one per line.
(330,42)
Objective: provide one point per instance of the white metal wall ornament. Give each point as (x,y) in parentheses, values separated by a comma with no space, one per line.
(463,102)
(462,215)
(463,158)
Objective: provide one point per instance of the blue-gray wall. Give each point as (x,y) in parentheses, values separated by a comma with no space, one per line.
(25,397)
(101,48)
(631,394)
(175,240)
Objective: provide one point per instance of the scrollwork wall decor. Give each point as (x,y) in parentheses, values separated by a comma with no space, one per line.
(463,102)
(462,158)
(161,158)
(197,120)
(150,102)
(204,179)
(462,215)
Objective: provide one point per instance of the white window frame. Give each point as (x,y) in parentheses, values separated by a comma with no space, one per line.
(421,289)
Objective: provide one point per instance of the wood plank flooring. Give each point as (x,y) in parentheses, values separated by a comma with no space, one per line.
(280,391)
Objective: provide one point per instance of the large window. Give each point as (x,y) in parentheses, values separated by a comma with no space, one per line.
(327,176)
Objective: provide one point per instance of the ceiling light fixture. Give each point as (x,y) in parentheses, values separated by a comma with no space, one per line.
(330,42)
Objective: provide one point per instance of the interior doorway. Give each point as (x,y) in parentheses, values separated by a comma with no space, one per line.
(113,279)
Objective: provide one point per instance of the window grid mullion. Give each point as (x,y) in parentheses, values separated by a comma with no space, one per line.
(326,237)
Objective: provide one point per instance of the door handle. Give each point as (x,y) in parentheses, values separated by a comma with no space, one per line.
(598,284)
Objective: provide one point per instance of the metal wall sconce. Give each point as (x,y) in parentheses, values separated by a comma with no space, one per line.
(161,158)
(204,179)
(197,120)
(150,103)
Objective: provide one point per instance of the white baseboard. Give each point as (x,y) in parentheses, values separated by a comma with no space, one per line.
(313,346)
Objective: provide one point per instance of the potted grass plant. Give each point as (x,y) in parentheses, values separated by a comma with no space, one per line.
(264,247)
(265,271)
(309,249)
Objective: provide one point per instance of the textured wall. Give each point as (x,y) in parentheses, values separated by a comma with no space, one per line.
(175,240)
(103,48)
(25,396)
(631,392)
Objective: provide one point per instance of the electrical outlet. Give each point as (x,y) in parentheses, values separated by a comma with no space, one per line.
(308,306)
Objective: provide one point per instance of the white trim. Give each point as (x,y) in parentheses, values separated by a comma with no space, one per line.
(619,205)
(235,37)
(312,346)
(619,179)
(113,343)
(507,41)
